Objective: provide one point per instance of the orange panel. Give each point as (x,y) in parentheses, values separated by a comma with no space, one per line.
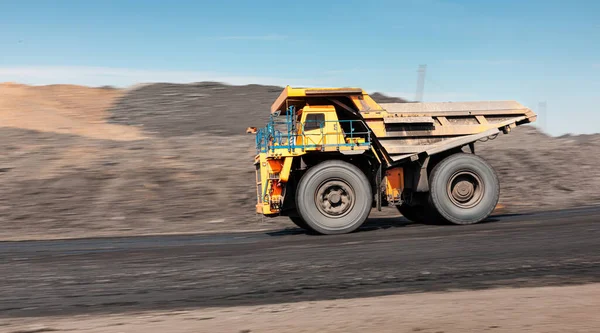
(395,183)
(275,165)
(395,178)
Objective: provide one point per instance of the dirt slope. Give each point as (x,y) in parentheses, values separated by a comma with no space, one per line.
(56,185)
(539,172)
(62,109)
(74,175)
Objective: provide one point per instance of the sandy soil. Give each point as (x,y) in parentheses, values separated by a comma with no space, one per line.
(546,309)
(65,109)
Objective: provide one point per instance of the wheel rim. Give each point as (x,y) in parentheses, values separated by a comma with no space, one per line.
(465,189)
(334,198)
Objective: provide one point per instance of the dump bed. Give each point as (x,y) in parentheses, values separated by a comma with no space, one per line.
(403,131)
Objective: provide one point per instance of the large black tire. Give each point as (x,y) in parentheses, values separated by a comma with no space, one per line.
(421,212)
(464,189)
(412,213)
(334,197)
(300,223)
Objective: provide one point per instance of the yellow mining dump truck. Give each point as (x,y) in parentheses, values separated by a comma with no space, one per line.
(328,156)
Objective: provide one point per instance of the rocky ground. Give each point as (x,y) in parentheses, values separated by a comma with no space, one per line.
(168,158)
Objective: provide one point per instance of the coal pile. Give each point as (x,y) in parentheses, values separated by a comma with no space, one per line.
(540,172)
(381,98)
(168,110)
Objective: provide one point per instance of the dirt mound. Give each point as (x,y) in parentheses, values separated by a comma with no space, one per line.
(190,177)
(166,109)
(62,109)
(539,172)
(381,98)
(593,139)
(55,185)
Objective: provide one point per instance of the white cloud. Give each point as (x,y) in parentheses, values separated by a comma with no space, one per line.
(268,37)
(123,77)
(596,65)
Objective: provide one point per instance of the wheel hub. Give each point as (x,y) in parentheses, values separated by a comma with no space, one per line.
(334,198)
(465,189)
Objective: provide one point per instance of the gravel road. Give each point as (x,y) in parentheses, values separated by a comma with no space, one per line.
(388,256)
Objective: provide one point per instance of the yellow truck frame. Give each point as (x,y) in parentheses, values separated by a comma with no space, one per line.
(328,156)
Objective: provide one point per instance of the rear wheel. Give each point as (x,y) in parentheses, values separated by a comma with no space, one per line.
(464,189)
(421,210)
(412,213)
(334,197)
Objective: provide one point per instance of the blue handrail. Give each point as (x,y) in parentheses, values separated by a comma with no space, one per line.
(271,139)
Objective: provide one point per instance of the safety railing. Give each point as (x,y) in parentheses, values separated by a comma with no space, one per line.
(345,133)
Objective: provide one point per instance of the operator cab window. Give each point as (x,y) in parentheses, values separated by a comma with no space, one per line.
(314,121)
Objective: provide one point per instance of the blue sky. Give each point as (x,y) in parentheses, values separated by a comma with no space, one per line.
(529,51)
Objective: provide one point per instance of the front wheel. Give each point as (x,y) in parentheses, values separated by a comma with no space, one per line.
(334,197)
(464,189)
(300,223)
